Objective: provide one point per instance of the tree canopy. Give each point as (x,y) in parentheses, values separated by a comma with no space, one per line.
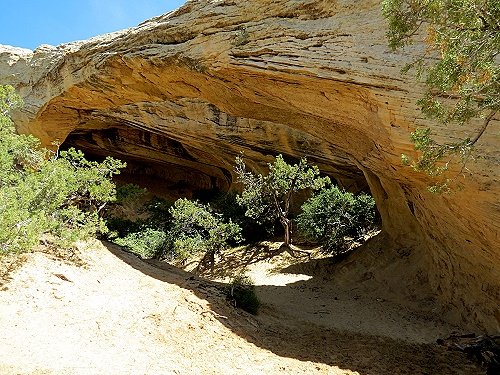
(336,218)
(269,197)
(460,69)
(44,192)
(196,228)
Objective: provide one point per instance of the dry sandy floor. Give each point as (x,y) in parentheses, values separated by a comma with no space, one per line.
(108,312)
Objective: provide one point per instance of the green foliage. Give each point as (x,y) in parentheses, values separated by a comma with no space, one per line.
(146,242)
(336,218)
(460,68)
(226,204)
(267,198)
(432,153)
(196,228)
(158,210)
(129,193)
(119,227)
(8,101)
(177,231)
(241,291)
(46,193)
(147,237)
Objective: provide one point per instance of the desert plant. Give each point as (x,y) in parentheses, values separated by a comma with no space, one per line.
(336,218)
(147,236)
(146,242)
(226,204)
(196,228)
(461,72)
(241,291)
(43,192)
(269,197)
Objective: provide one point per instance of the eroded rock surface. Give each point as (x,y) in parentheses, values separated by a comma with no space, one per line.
(180,96)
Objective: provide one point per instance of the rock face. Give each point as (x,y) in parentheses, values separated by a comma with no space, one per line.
(179,96)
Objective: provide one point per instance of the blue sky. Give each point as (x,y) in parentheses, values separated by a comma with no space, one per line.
(30,23)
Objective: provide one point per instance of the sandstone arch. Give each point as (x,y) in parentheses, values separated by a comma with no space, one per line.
(191,88)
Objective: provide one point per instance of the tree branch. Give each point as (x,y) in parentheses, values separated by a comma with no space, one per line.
(486,122)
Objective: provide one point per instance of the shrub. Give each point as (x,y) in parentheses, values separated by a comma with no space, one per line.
(336,218)
(196,228)
(158,210)
(147,237)
(241,291)
(226,204)
(45,192)
(129,193)
(146,242)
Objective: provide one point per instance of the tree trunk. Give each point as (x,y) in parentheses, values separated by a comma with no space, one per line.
(287,226)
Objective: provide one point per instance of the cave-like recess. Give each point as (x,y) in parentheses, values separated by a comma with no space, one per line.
(170,169)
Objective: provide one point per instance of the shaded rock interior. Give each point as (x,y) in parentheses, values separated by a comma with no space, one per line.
(195,165)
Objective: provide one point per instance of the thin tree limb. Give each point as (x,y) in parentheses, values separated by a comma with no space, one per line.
(486,122)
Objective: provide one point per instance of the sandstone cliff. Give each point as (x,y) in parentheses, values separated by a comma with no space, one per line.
(179,96)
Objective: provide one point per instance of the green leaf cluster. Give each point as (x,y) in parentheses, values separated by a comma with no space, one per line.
(267,198)
(336,218)
(460,67)
(196,228)
(431,155)
(241,291)
(147,242)
(44,193)
(146,236)
(175,231)
(226,204)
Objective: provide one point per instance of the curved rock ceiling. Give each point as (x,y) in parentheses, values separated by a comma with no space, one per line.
(182,94)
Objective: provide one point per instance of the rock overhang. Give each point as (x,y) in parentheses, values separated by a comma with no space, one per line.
(187,91)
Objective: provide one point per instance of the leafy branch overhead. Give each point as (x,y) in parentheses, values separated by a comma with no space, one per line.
(460,69)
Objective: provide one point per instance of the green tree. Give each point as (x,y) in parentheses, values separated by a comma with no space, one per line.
(196,228)
(42,192)
(269,197)
(227,205)
(336,218)
(460,69)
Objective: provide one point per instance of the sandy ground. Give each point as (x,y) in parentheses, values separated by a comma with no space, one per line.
(107,312)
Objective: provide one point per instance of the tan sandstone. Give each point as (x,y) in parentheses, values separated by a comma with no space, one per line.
(182,94)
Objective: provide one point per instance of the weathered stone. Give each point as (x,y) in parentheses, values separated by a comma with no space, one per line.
(182,94)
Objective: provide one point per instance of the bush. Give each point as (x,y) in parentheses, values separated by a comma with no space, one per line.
(158,211)
(227,205)
(43,192)
(146,242)
(129,193)
(196,228)
(336,218)
(241,291)
(148,237)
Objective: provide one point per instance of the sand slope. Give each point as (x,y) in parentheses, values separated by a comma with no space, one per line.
(117,314)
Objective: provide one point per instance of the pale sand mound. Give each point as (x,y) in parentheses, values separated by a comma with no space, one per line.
(120,315)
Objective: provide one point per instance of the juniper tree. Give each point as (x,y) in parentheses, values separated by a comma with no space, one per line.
(269,197)
(460,69)
(336,218)
(42,192)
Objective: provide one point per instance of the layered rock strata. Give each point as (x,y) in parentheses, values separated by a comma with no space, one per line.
(182,94)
